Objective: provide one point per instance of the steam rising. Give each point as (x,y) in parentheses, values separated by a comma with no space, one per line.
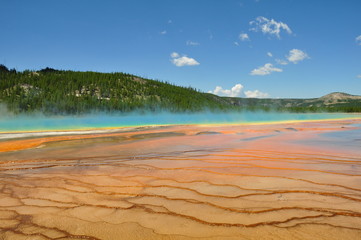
(39,122)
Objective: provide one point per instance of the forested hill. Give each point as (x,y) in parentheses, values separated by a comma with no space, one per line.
(53,91)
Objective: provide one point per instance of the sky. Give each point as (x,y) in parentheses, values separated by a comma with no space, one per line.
(239,48)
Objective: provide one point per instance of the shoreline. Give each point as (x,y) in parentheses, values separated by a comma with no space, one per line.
(15,141)
(7,135)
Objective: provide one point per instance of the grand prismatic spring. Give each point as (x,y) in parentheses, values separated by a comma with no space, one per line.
(275,176)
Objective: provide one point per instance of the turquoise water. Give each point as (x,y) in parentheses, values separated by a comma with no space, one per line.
(36,123)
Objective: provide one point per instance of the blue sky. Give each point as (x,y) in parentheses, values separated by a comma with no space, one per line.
(247,48)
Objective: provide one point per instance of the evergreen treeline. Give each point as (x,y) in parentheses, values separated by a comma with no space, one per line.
(54,91)
(68,92)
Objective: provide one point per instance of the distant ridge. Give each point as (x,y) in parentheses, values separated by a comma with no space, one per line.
(52,91)
(333,102)
(339,96)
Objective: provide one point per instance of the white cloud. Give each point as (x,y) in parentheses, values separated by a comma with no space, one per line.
(359,76)
(243,37)
(281,62)
(269,54)
(256,94)
(296,56)
(163,32)
(235,91)
(270,27)
(182,61)
(358,40)
(191,43)
(265,70)
(236,43)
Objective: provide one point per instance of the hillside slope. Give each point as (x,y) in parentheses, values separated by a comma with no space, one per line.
(333,102)
(53,91)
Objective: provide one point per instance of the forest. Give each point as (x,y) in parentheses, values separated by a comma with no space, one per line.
(52,91)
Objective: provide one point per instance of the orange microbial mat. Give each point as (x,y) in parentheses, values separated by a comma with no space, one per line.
(273,181)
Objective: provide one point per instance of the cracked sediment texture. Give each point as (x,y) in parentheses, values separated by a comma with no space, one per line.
(280,181)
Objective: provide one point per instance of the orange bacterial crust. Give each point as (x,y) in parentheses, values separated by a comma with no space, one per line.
(273,181)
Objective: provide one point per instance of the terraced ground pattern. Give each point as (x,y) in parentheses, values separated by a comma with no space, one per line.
(270,181)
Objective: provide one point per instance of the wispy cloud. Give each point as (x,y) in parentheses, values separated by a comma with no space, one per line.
(236,43)
(210,34)
(358,40)
(359,76)
(296,55)
(163,32)
(265,70)
(270,27)
(235,91)
(174,55)
(243,37)
(181,61)
(191,43)
(256,94)
(269,54)
(281,62)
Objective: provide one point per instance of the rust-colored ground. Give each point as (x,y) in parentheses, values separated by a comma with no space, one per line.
(280,181)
